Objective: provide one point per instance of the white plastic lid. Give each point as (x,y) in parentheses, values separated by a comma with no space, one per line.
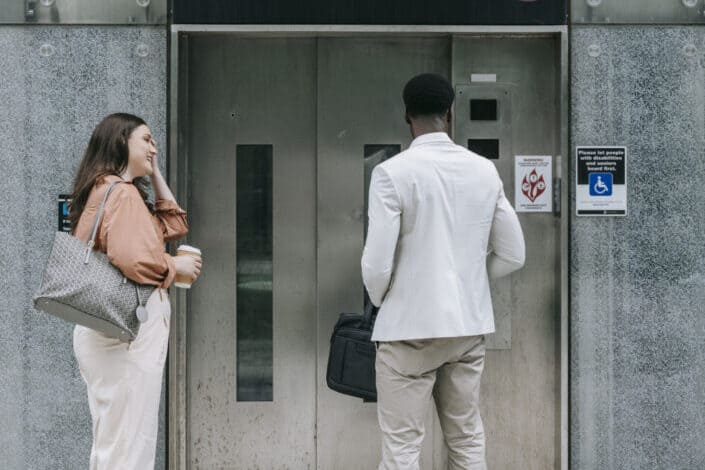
(190,248)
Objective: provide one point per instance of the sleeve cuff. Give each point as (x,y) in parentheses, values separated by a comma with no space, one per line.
(171,271)
(166,205)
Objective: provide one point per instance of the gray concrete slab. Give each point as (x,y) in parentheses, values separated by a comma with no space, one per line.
(638,283)
(56,83)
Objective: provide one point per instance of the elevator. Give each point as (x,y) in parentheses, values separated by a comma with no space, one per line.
(274,137)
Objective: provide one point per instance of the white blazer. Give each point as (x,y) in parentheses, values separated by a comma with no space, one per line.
(439,223)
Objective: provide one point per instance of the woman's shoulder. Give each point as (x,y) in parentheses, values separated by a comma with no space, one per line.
(123,191)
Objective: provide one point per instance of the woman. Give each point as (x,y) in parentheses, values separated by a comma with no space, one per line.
(124,381)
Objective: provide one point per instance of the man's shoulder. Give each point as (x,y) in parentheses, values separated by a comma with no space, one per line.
(393,165)
(417,158)
(404,159)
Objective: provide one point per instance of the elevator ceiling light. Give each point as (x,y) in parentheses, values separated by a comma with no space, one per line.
(690,3)
(143,3)
(47,3)
(594,3)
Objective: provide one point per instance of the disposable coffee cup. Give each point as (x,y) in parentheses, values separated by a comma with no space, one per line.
(185,282)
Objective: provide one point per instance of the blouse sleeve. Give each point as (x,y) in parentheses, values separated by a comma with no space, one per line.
(172,219)
(128,237)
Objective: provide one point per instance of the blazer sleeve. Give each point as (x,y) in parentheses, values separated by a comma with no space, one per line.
(506,245)
(131,242)
(382,234)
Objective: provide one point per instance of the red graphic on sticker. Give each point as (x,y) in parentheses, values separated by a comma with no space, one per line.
(533,185)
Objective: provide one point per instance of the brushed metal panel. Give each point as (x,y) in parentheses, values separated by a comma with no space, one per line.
(360,81)
(520,385)
(636,11)
(244,91)
(84,12)
(500,129)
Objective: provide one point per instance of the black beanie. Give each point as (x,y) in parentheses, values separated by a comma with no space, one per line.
(428,94)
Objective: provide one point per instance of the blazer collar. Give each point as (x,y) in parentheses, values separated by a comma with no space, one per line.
(433,137)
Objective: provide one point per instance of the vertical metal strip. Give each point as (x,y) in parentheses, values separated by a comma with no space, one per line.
(178,164)
(451,74)
(564,254)
(316,294)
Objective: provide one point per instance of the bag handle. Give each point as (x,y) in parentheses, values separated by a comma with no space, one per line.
(94,232)
(91,241)
(370,312)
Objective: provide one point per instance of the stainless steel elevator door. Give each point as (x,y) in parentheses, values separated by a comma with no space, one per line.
(251,325)
(520,384)
(288,128)
(360,83)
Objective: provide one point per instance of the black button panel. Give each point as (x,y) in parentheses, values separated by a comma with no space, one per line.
(483,110)
(488,148)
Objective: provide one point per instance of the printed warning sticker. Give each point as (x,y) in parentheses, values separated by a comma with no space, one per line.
(533,188)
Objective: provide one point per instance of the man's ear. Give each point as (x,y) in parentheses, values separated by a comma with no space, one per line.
(406,118)
(449,117)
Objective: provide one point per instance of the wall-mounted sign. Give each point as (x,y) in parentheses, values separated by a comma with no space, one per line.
(601,181)
(64,201)
(533,188)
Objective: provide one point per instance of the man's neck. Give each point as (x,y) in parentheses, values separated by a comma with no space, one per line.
(421,126)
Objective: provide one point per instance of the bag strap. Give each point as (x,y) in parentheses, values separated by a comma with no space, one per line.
(91,240)
(370,312)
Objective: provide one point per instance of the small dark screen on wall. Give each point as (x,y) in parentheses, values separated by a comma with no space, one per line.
(64,201)
(483,110)
(488,148)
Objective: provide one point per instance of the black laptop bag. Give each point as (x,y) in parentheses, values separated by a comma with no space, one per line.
(351,360)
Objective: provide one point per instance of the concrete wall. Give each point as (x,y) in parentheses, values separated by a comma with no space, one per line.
(638,283)
(49,104)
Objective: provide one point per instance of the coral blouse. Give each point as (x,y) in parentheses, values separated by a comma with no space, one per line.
(131,236)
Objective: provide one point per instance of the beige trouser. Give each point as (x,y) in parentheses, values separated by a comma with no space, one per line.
(124,388)
(408,373)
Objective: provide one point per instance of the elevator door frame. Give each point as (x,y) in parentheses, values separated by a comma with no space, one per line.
(178,159)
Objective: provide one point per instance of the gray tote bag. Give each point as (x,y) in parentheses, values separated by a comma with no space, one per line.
(81,286)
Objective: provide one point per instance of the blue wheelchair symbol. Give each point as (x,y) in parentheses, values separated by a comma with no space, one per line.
(600,184)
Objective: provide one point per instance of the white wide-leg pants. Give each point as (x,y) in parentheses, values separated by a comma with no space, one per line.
(124,388)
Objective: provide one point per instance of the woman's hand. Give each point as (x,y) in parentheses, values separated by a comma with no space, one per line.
(154,155)
(188,266)
(161,189)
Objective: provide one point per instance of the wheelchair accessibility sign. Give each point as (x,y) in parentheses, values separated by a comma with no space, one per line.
(601,181)
(600,184)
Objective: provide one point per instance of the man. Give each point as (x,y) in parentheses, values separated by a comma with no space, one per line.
(439,225)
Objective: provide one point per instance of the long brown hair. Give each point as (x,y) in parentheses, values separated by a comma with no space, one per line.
(107,154)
